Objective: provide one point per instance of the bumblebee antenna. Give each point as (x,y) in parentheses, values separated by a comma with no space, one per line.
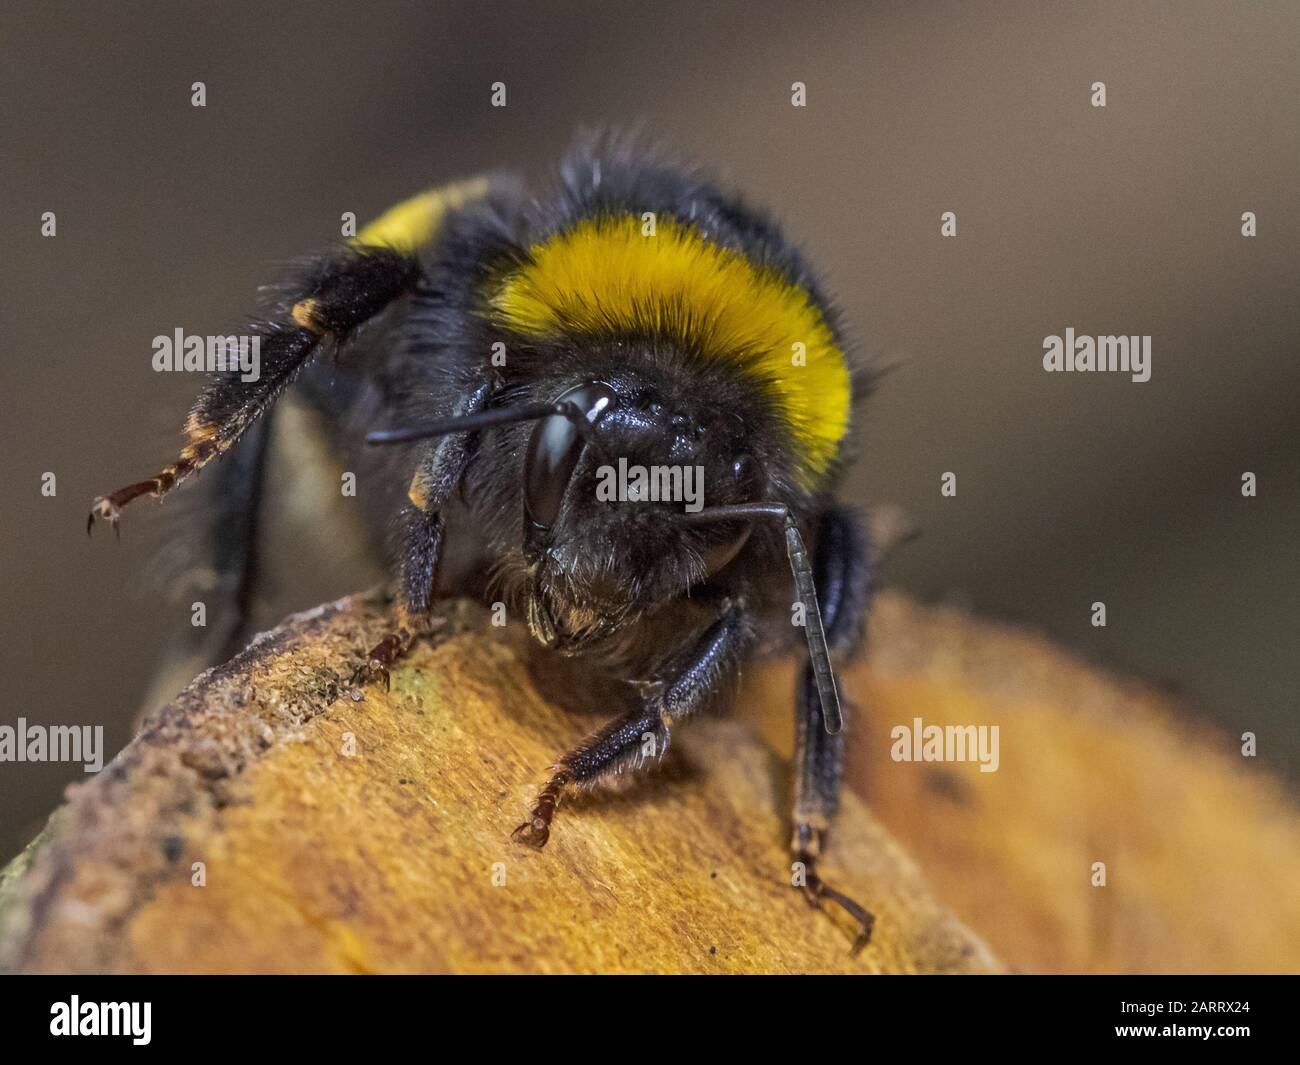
(464,423)
(805,589)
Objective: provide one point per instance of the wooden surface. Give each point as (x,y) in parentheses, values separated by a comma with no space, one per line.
(1201,844)
(397,858)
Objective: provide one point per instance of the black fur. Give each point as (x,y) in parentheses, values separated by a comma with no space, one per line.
(626,585)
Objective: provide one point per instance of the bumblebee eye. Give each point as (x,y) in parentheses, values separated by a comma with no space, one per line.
(554,449)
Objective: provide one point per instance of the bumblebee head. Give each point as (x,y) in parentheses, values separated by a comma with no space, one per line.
(612,482)
(635,488)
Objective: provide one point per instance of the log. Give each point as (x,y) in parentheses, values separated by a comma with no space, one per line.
(1201,844)
(397,857)
(269,820)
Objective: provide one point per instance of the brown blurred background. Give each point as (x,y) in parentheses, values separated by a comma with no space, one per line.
(1071,488)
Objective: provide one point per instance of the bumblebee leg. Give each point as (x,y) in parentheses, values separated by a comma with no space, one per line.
(643,732)
(421,543)
(440,468)
(225,575)
(843,574)
(337,294)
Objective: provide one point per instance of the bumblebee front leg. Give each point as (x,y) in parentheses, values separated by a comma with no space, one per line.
(420,534)
(843,574)
(692,679)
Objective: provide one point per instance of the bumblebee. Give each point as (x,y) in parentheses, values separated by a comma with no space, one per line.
(497,351)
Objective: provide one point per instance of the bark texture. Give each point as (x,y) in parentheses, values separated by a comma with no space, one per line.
(372,835)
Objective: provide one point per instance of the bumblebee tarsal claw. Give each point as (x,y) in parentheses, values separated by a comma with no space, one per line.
(381,656)
(816,889)
(537,829)
(368,671)
(532,833)
(103,507)
(866,920)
